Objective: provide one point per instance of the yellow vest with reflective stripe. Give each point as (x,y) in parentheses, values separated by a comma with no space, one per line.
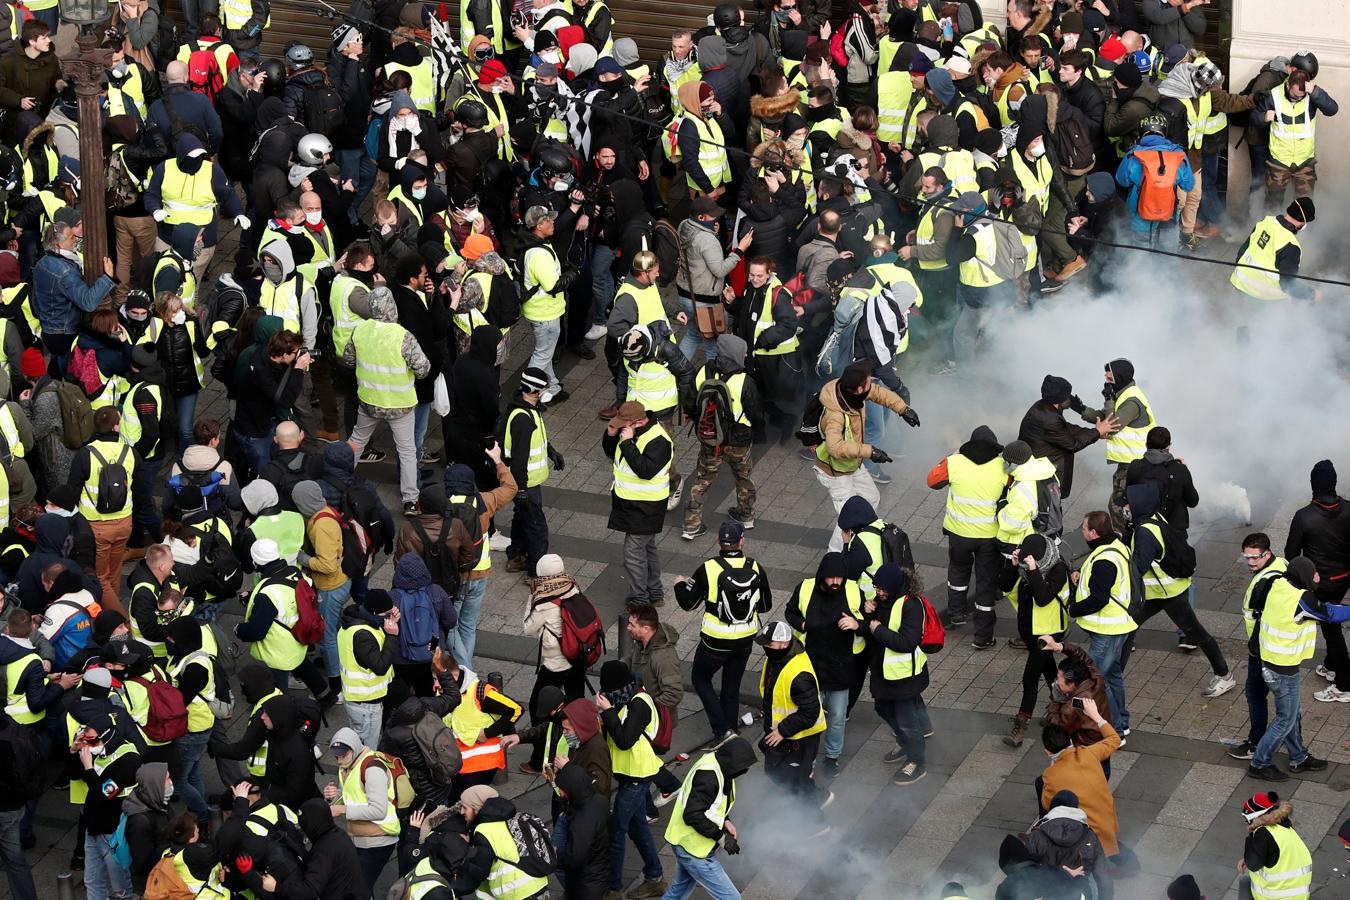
(639,760)
(1129,444)
(735,387)
(1268,238)
(468,719)
(1052,618)
(424,878)
(234,15)
(1291,876)
(209,888)
(712,153)
(870,537)
(781,705)
(129,97)
(286,527)
(136,698)
(1197,119)
(257,763)
(765,321)
(1017,518)
(396,197)
(627,484)
(1158,585)
(188,199)
(678,831)
(16,704)
(1035,178)
(283,300)
(973,492)
(650,309)
(713,625)
(542,305)
(852,597)
(111,451)
(959,165)
(536,466)
(344,319)
(10,445)
(423,89)
(923,232)
(263,816)
(278,650)
(354,791)
(187,290)
(895,92)
(103,763)
(1284,641)
(692,73)
(1293,133)
(506,880)
(897,666)
(978,271)
(1278,566)
(1114,617)
(200,717)
(653,385)
(359,684)
(383,378)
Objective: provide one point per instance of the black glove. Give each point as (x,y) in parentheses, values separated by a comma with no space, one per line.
(880,456)
(558,461)
(565,280)
(1076,404)
(730,845)
(911,417)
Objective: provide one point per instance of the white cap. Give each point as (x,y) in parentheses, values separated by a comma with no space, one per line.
(265,551)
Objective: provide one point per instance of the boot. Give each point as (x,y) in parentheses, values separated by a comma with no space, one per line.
(608,412)
(1019,729)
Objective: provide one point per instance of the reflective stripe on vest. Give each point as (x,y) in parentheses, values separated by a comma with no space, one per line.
(1291,876)
(359,684)
(188,199)
(200,717)
(653,385)
(627,484)
(1158,585)
(765,321)
(897,666)
(383,378)
(735,387)
(1053,617)
(639,760)
(16,704)
(978,271)
(1284,641)
(1278,566)
(354,790)
(1268,238)
(1114,617)
(781,705)
(712,155)
(278,650)
(344,320)
(506,880)
(973,492)
(895,92)
(1293,133)
(1129,444)
(536,465)
(423,89)
(468,720)
(713,625)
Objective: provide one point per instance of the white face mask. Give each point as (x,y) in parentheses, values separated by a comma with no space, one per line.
(314,218)
(168,792)
(472,215)
(120,70)
(179,317)
(1037,151)
(551,56)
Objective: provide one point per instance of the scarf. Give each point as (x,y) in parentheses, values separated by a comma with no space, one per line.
(546,588)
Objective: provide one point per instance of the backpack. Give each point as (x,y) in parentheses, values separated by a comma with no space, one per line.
(204,75)
(113,489)
(737,592)
(1010,254)
(118,848)
(444,570)
(308,717)
(1049,519)
(167,718)
(166,44)
(324,112)
(355,544)
(308,627)
(418,626)
(73,635)
(121,190)
(504,310)
(286,834)
(1157,200)
(582,640)
(895,548)
(934,634)
(668,247)
(361,506)
(83,366)
(808,432)
(665,728)
(404,795)
(164,883)
(206,482)
(439,750)
(218,556)
(534,845)
(713,418)
(25,777)
(1073,145)
(837,52)
(226,304)
(1178,560)
(77,416)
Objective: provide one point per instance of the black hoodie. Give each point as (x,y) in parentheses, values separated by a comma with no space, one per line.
(734,758)
(289,779)
(255,682)
(585,860)
(476,386)
(332,868)
(1321,532)
(428,322)
(63,539)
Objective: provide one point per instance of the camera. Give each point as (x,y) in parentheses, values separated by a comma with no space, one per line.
(519,20)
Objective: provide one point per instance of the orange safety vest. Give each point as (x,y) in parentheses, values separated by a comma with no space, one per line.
(485,755)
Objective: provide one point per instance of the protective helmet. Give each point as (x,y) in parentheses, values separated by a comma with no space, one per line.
(1154,124)
(471,114)
(554,161)
(726,15)
(313,148)
(635,342)
(276,77)
(644,261)
(1307,61)
(299,56)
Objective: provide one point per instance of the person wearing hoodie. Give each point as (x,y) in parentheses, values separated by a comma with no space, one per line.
(407,129)
(1176,487)
(1050,436)
(701,822)
(290,295)
(107,763)
(1062,839)
(339,479)
(191,189)
(1154,541)
(147,812)
(793,715)
(257,690)
(387,359)
(465,501)
(1079,769)
(268,520)
(367,656)
(1038,587)
(975,479)
(412,588)
(288,774)
(493,850)
(270,612)
(1321,532)
(271,385)
(1030,503)
(471,428)
(56,534)
(731,90)
(526,445)
(1154,147)
(364,796)
(487,293)
(200,466)
(1125,401)
(766,320)
(321,556)
(899,669)
(143,418)
(332,866)
(1134,99)
(863,550)
(583,853)
(700,141)
(193,671)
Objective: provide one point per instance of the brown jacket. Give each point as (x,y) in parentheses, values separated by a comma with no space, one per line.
(1081,729)
(832,423)
(1079,769)
(461,548)
(21,76)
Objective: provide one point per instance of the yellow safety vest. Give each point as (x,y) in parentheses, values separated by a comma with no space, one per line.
(129,96)
(16,704)
(735,387)
(923,232)
(261,819)
(681,833)
(542,304)
(396,196)
(344,319)
(423,90)
(1017,518)
(712,153)
(1197,119)
(1293,133)
(103,453)
(506,880)
(897,666)
(1278,566)
(209,888)
(1158,585)
(283,300)
(1129,444)
(1035,178)
(425,879)
(187,289)
(278,650)
(200,716)
(713,625)
(1291,876)
(354,790)
(627,484)
(383,378)
(639,760)
(653,385)
(978,271)
(188,199)
(1283,640)
(958,164)
(1052,618)
(692,73)
(973,493)
(234,15)
(895,92)
(1268,238)
(781,705)
(650,309)
(485,561)
(1114,617)
(852,597)
(257,763)
(10,444)
(536,465)
(359,684)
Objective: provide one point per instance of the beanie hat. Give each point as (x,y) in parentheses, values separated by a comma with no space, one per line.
(31,364)
(1064,798)
(920,65)
(615,674)
(308,498)
(891,579)
(546,70)
(62,497)
(1017,452)
(1071,23)
(608,66)
(97,682)
(550,565)
(1258,805)
(1127,73)
(533,380)
(475,246)
(1112,49)
(625,52)
(1323,477)
(1184,888)
(1302,210)
(855,375)
(264,551)
(9,270)
(378,602)
(1055,389)
(105,623)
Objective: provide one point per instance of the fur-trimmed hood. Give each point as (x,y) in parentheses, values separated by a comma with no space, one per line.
(44,133)
(791,156)
(1040,24)
(772,109)
(1282,811)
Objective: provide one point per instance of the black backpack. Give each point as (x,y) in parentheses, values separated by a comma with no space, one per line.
(667,246)
(534,843)
(444,570)
(25,778)
(1178,559)
(218,557)
(737,592)
(166,43)
(324,112)
(809,431)
(113,489)
(713,421)
(362,506)
(1073,146)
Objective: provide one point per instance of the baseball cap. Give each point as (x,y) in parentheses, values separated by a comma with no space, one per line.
(730,533)
(773,633)
(536,214)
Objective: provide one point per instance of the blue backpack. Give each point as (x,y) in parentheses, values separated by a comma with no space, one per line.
(418,625)
(118,848)
(73,635)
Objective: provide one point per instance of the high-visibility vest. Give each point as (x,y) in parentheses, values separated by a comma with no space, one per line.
(652,384)
(823,450)
(423,90)
(639,760)
(1129,444)
(627,484)
(396,196)
(128,98)
(21,296)
(735,387)
(283,300)
(713,625)
(989,34)
(853,598)
(693,72)
(765,321)
(187,289)
(1268,238)
(924,230)
(219,49)
(136,698)
(16,703)
(1293,133)
(424,878)
(257,763)
(978,271)
(286,527)
(650,309)
(1278,566)
(536,465)
(973,492)
(156,647)
(1035,178)
(500,36)
(101,764)
(200,716)
(466,721)
(1114,617)
(10,444)
(497,116)
(52,165)
(712,152)
(467,322)
(234,15)
(869,536)
(895,92)
(897,666)
(1214,122)
(110,452)
(679,832)
(959,165)
(485,560)
(781,705)
(264,816)
(278,650)
(354,790)
(208,888)
(542,305)
(1197,119)
(1283,640)
(1053,617)
(344,319)
(383,378)
(188,199)
(1158,585)
(359,684)
(968,107)
(506,880)
(1017,517)
(1291,876)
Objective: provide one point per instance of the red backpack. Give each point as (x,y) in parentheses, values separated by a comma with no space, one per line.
(582,640)
(204,74)
(167,719)
(308,627)
(837,41)
(934,634)
(1158,183)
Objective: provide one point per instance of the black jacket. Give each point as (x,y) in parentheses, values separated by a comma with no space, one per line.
(351,78)
(638,516)
(429,323)
(270,388)
(397,739)
(289,779)
(905,640)
(180,350)
(804,691)
(288,468)
(1175,485)
(734,758)
(331,869)
(147,822)
(830,647)
(476,386)
(585,861)
(255,682)
(1049,434)
(1321,532)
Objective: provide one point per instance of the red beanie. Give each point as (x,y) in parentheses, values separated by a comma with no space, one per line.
(31,364)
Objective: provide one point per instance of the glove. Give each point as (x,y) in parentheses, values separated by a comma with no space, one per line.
(244,864)
(880,456)
(565,280)
(558,461)
(243,222)
(730,845)
(1076,404)
(911,417)
(160,215)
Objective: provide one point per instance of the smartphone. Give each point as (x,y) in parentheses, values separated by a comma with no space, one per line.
(1076,702)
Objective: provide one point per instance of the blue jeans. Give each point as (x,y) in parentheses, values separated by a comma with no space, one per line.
(630,818)
(546,336)
(602,282)
(357,167)
(560,845)
(421,416)
(146,526)
(191,747)
(1288,724)
(906,718)
(11,854)
(692,871)
(257,451)
(1106,651)
(103,878)
(187,415)
(366,719)
(692,341)
(330,607)
(836,711)
(465,635)
(1256,691)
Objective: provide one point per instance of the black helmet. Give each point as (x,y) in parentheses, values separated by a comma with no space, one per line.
(726,15)
(471,114)
(554,161)
(276,77)
(1307,61)
(1154,124)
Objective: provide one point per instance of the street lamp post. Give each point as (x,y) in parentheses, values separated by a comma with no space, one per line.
(87,67)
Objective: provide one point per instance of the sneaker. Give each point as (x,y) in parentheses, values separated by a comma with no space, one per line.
(1269,773)
(746,522)
(499,542)
(662,799)
(928,733)
(954,620)
(1186,645)
(596,332)
(984,645)
(373,456)
(722,738)
(895,756)
(428,458)
(826,801)
(1324,672)
(515,564)
(881,477)
(654,888)
(807,453)
(1310,764)
(1051,286)
(412,509)
(1222,684)
(1126,732)
(689,534)
(829,766)
(911,773)
(676,492)
(1332,695)
(1071,268)
(1244,750)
